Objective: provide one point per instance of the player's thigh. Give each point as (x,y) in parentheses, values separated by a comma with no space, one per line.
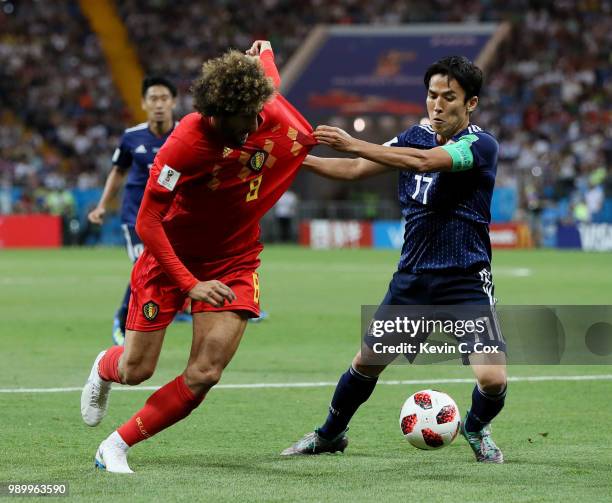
(140,355)
(373,358)
(155,299)
(216,336)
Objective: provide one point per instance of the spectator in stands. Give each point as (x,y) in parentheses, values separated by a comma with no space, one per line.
(59,201)
(552,77)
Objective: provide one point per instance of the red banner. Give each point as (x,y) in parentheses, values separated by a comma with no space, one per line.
(359,234)
(323,234)
(30,231)
(510,235)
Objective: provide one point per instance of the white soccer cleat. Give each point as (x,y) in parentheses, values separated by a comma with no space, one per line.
(94,398)
(111,456)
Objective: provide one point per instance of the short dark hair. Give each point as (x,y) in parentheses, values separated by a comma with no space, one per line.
(156,80)
(459,68)
(231,84)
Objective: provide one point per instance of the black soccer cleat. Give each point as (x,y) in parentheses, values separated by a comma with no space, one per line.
(313,443)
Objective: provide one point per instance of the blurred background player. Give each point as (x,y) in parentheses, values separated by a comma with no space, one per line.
(447,174)
(285,212)
(220,171)
(132,160)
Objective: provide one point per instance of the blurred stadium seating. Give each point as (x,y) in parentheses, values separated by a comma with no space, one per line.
(548,93)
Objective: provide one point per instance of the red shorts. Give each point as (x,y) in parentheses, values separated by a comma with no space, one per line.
(156,298)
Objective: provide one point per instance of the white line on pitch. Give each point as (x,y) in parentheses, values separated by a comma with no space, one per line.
(320,384)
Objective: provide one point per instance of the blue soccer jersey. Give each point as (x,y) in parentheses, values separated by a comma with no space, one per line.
(447,214)
(137,149)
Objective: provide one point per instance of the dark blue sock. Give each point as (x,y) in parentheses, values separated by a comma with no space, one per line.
(123,310)
(352,390)
(485,407)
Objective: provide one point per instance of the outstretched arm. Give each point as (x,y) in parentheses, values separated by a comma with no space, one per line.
(343,169)
(263,50)
(414,159)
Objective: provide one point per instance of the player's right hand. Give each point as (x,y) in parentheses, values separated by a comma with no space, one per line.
(96,216)
(212,292)
(334,137)
(258,47)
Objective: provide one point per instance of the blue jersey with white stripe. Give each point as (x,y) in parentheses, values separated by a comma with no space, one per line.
(137,149)
(447,214)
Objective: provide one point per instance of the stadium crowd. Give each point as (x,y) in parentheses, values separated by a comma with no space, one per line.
(61,111)
(547,98)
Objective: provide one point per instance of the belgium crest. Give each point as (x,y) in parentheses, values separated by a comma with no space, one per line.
(257,160)
(150,310)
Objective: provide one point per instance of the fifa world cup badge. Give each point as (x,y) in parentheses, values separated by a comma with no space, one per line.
(168,177)
(150,310)
(257,160)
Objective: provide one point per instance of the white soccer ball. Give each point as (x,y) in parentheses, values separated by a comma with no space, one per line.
(430,419)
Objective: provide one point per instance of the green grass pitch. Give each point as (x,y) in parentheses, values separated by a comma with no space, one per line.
(55,315)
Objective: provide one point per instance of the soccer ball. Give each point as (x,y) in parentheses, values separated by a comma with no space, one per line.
(430,419)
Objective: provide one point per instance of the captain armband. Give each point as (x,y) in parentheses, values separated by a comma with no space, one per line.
(461,153)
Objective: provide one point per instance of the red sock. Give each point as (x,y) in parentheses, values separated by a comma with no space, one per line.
(108,367)
(168,405)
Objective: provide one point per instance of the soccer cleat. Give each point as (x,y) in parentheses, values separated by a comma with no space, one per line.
(118,334)
(182,317)
(313,443)
(111,456)
(263,315)
(94,397)
(483,445)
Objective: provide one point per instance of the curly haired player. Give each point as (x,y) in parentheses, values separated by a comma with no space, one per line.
(217,174)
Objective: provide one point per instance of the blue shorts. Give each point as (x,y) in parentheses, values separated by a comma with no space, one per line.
(425,291)
(440,289)
(133,244)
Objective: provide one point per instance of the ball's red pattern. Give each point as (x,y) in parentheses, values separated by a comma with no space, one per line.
(423,400)
(408,423)
(432,439)
(446,414)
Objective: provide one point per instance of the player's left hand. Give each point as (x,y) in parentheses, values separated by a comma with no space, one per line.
(258,47)
(334,137)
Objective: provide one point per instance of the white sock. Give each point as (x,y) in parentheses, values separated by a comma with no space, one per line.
(117,441)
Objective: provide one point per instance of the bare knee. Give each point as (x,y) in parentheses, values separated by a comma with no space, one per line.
(135,373)
(361,365)
(202,377)
(493,382)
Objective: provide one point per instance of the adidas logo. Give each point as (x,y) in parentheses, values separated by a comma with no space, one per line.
(140,149)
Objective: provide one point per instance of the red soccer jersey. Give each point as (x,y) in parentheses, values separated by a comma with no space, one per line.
(208,198)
